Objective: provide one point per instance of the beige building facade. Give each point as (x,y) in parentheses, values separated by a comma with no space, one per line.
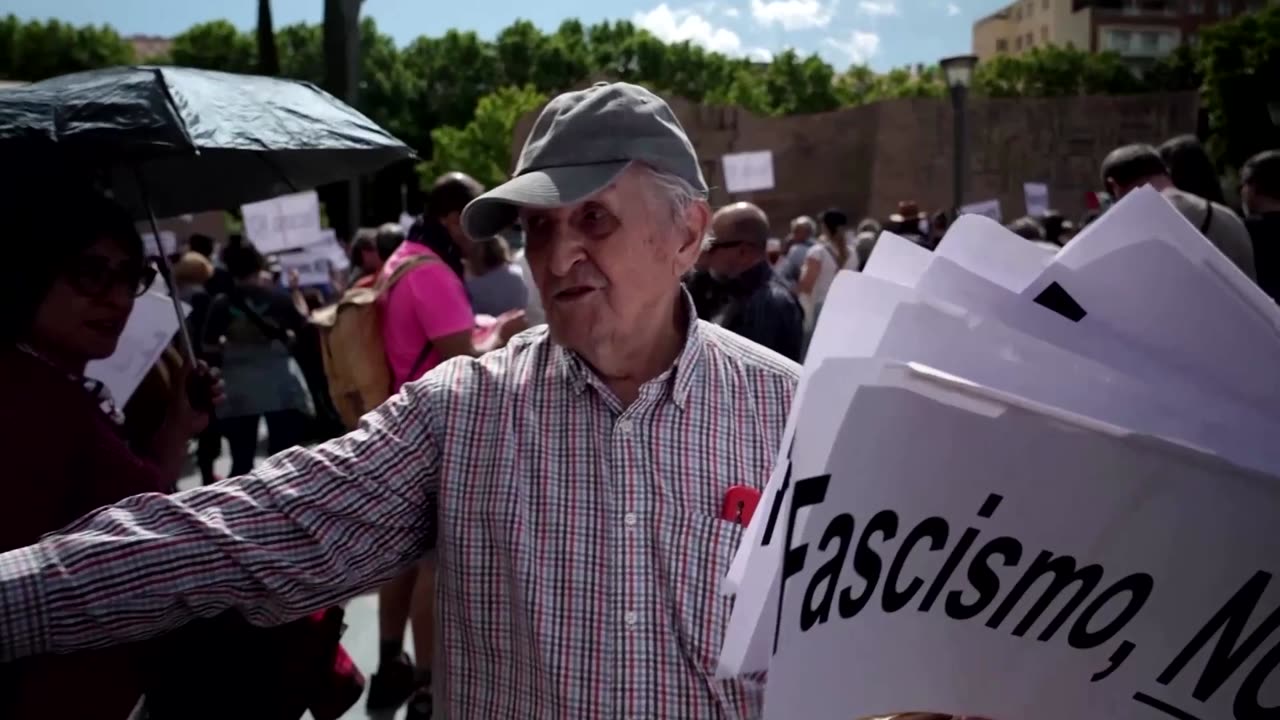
(1139,30)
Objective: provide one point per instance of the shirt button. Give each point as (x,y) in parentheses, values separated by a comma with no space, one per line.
(631,618)
(630,519)
(624,426)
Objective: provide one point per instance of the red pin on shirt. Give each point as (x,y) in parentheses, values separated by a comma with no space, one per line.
(739,504)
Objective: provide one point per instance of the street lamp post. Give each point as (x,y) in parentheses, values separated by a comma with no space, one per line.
(958,71)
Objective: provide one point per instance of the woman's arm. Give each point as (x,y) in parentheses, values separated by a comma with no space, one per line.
(809,274)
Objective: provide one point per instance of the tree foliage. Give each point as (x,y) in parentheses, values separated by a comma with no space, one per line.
(482,147)
(432,90)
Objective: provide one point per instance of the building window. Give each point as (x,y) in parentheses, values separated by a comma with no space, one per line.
(1224,8)
(1017,13)
(1017,43)
(1002,45)
(1149,42)
(1117,40)
(1044,34)
(1196,7)
(1044,4)
(1031,8)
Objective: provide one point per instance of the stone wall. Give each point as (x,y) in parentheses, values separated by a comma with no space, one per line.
(866,159)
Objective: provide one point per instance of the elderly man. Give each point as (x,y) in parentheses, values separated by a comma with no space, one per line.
(803,232)
(752,303)
(572,483)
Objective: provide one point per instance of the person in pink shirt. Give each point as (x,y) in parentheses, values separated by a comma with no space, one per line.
(426,319)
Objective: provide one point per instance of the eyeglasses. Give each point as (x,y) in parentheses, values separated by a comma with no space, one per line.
(93,276)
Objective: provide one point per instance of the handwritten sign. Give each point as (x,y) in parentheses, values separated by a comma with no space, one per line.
(151,327)
(748,171)
(168,243)
(1036,195)
(282,223)
(311,264)
(986,208)
(332,250)
(1033,565)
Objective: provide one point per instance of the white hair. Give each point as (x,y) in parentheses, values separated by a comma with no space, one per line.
(677,193)
(805,221)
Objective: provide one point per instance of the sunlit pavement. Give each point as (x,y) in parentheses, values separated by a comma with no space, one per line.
(361,638)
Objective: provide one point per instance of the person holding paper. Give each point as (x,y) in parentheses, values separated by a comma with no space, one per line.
(1130,167)
(64,441)
(574,483)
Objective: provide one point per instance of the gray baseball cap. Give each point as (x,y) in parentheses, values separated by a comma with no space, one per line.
(580,143)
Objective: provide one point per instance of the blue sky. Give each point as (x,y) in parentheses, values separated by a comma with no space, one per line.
(883,33)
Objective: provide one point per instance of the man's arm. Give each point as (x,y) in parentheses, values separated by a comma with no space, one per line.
(308,529)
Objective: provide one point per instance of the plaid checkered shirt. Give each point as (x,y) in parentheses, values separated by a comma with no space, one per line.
(580,541)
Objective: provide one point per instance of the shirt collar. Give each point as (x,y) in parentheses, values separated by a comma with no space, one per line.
(679,378)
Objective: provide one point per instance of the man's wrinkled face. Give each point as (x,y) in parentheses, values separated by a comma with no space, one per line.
(604,264)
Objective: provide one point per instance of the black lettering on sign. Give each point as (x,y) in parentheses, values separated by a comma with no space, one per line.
(957,555)
(1064,572)
(810,491)
(867,563)
(983,578)
(936,530)
(1229,652)
(841,528)
(1247,706)
(1138,586)
(1057,299)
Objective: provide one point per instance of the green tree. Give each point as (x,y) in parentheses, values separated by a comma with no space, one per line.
(301,48)
(37,50)
(216,45)
(481,148)
(1240,64)
(1053,71)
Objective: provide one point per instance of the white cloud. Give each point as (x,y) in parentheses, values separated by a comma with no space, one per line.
(681,25)
(760,54)
(793,14)
(860,47)
(877,8)
(953,9)
(731,12)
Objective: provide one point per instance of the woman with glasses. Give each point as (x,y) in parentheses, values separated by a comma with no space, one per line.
(66,300)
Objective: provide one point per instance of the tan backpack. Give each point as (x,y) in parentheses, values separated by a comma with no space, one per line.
(355,358)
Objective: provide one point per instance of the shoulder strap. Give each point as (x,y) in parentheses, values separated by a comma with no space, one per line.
(267,327)
(1208,218)
(383,285)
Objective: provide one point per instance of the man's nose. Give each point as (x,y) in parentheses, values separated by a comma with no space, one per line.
(567,249)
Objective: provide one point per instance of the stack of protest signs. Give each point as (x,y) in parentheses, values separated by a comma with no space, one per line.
(289,227)
(1023,485)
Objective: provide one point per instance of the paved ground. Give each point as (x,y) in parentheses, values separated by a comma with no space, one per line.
(361,639)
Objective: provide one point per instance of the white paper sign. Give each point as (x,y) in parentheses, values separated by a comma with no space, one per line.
(1036,196)
(150,329)
(987,208)
(332,250)
(168,243)
(311,264)
(282,223)
(748,171)
(1032,565)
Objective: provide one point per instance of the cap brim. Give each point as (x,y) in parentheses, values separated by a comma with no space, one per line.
(547,188)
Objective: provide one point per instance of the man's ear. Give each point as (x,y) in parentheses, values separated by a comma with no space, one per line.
(697,217)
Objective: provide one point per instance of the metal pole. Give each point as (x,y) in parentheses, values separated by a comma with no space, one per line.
(184,337)
(959,145)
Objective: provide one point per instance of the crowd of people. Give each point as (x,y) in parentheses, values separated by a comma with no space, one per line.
(537,492)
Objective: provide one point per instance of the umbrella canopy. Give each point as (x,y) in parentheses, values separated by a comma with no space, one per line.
(201,140)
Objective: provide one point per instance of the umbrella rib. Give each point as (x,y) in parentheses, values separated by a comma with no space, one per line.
(173,107)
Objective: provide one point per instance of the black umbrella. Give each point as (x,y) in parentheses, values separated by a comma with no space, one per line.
(172,140)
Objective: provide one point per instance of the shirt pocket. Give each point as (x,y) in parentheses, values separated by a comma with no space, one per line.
(698,558)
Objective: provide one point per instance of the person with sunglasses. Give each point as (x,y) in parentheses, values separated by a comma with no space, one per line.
(753,302)
(66,303)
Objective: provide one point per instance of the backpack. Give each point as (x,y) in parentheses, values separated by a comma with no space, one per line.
(355,358)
